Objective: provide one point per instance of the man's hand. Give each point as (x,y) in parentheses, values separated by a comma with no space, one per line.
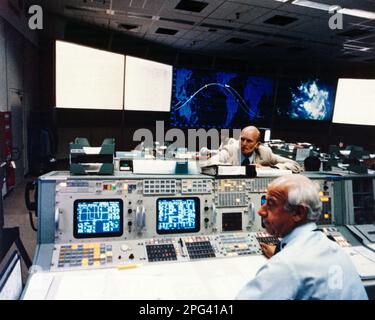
(259,166)
(268,249)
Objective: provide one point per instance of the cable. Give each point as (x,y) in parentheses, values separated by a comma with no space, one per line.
(31,221)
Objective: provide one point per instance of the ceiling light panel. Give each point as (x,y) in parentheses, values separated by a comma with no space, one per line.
(315,5)
(358,13)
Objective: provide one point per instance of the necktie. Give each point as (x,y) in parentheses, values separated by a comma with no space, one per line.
(245,162)
(278,247)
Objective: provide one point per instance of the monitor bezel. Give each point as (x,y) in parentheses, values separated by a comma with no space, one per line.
(197,217)
(97,235)
(8,268)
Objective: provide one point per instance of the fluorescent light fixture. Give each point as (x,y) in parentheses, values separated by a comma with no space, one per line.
(331,8)
(281,0)
(315,5)
(358,13)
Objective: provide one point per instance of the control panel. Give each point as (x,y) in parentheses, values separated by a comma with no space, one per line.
(237,202)
(326,197)
(335,235)
(266,238)
(127,220)
(104,254)
(149,207)
(133,208)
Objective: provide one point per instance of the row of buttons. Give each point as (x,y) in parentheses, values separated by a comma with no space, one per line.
(199,250)
(163,252)
(85,255)
(196,186)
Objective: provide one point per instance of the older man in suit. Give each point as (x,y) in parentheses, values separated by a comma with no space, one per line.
(250,151)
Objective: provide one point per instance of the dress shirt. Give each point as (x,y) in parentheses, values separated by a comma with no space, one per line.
(309,266)
(250,158)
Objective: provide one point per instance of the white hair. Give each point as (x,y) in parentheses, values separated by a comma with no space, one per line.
(301,191)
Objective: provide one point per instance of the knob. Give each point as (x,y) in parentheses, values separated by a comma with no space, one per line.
(206,222)
(130,211)
(131,256)
(206,208)
(124,247)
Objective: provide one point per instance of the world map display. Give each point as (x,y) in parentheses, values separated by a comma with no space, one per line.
(215,99)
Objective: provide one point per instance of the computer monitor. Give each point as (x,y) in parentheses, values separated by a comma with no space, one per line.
(11,278)
(302,154)
(95,218)
(177,215)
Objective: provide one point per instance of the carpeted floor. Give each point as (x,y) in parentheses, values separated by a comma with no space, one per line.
(16,215)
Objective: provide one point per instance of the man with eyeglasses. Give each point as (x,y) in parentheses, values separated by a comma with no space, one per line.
(308,265)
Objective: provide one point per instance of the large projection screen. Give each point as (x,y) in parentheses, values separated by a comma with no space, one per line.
(148,85)
(355,102)
(88,78)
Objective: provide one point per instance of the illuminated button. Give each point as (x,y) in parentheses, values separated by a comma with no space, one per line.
(96,263)
(326,216)
(102,256)
(84,262)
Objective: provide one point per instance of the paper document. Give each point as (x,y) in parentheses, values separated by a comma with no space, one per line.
(269,172)
(91,150)
(224,170)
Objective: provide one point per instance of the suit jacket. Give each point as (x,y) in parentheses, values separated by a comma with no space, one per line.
(231,154)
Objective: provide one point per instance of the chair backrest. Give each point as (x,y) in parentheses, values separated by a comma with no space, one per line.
(108,141)
(333,149)
(354,147)
(358,154)
(312,163)
(82,141)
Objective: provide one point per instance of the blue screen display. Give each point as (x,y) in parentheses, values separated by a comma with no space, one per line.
(97,218)
(178,215)
(310,99)
(209,99)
